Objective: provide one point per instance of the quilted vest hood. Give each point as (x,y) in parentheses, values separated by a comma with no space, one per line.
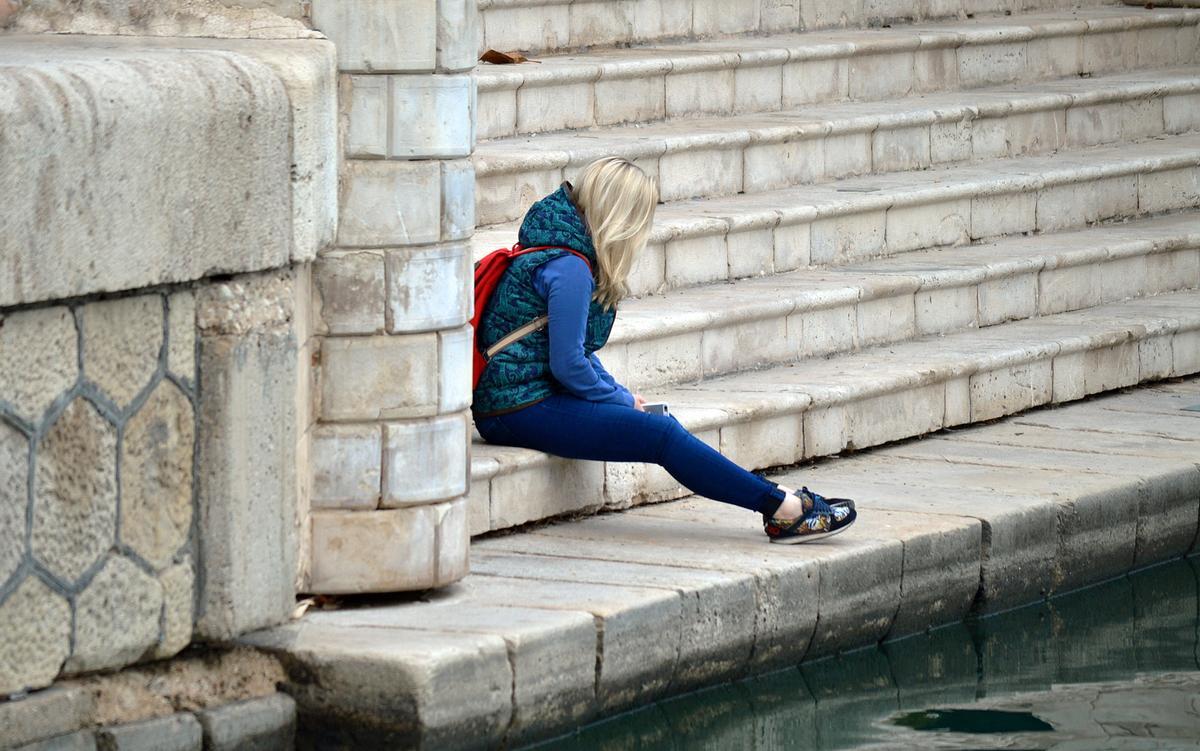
(520,374)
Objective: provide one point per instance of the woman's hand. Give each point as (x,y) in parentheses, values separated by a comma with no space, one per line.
(639,403)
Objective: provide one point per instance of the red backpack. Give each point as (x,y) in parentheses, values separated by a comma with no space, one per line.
(489,270)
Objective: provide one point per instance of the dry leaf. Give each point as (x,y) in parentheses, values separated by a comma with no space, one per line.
(505,58)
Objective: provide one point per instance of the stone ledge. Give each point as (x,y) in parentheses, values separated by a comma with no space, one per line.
(984,518)
(133,162)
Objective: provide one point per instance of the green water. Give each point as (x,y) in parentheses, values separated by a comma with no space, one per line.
(1141,625)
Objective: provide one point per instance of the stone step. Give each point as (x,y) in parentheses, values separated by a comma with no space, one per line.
(715,156)
(714,330)
(854,219)
(549,25)
(785,71)
(568,622)
(785,414)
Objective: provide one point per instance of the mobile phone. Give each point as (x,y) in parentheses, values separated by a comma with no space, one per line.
(656,408)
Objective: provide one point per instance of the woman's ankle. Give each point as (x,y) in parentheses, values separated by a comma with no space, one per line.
(791,508)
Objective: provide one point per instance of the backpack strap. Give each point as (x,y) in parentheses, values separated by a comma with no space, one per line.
(540,322)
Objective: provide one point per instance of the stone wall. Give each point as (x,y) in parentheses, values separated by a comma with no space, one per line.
(155,345)
(392,301)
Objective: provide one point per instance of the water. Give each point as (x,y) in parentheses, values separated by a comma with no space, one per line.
(1138,636)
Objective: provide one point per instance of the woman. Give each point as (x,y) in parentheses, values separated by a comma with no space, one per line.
(548,391)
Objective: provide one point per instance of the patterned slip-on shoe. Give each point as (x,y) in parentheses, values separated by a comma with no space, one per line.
(821,518)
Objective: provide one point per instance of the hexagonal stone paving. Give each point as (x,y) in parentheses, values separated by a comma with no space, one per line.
(36,623)
(75,491)
(121,343)
(116,617)
(40,359)
(14,482)
(178,583)
(156,475)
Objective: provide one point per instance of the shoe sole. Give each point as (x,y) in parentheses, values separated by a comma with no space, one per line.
(797,539)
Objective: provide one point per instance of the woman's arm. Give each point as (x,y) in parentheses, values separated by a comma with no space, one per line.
(566,284)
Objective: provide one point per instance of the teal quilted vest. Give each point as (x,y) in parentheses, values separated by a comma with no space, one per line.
(520,374)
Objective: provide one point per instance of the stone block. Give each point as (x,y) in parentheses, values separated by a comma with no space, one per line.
(991,64)
(116,617)
(179,592)
(886,319)
(364,104)
(458,199)
(380,35)
(424,460)
(1109,52)
(699,172)
(544,27)
(246,465)
(900,149)
(541,108)
(593,24)
(935,70)
(36,622)
(559,487)
(668,359)
(846,155)
(696,260)
(777,165)
(1181,113)
(772,442)
(84,740)
(390,203)
(75,492)
(1054,57)
(230,123)
(1169,189)
(1069,288)
(846,238)
(122,340)
(941,311)
(388,550)
(156,476)
(428,288)
(793,246)
(454,540)
(266,724)
(14,498)
(432,116)
(950,142)
(349,295)
(177,732)
(812,81)
(630,100)
(40,362)
(347,463)
(43,714)
(1075,204)
(779,15)
(751,253)
(454,388)
(884,76)
(459,33)
(706,91)
(1006,391)
(497,113)
(827,330)
(181,335)
(1036,132)
(1010,298)
(928,226)
(379,377)
(758,89)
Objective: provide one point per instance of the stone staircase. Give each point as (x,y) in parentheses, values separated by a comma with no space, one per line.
(868,233)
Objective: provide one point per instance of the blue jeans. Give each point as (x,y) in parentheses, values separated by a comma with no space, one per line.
(566,426)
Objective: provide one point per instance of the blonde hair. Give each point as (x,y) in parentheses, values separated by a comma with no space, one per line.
(617,200)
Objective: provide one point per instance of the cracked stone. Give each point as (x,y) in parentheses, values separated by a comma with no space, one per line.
(181,327)
(121,342)
(40,360)
(14,484)
(177,585)
(156,475)
(75,491)
(116,617)
(36,622)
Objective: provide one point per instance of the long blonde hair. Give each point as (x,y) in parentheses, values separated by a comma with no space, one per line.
(617,200)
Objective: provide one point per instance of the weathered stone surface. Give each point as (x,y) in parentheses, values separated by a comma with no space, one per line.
(75,491)
(36,622)
(374,551)
(177,732)
(380,35)
(387,203)
(246,484)
(43,714)
(181,334)
(121,344)
(425,460)
(349,295)
(40,359)
(432,117)
(156,475)
(179,593)
(427,288)
(116,617)
(14,498)
(266,724)
(379,377)
(84,740)
(347,462)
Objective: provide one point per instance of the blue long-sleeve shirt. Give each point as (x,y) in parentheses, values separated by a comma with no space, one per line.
(567,286)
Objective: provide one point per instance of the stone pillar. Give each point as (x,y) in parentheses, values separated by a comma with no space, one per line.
(392,300)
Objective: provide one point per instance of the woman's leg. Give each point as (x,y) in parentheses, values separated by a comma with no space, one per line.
(566,426)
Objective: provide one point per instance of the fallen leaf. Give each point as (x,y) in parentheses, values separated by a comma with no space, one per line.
(505,58)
